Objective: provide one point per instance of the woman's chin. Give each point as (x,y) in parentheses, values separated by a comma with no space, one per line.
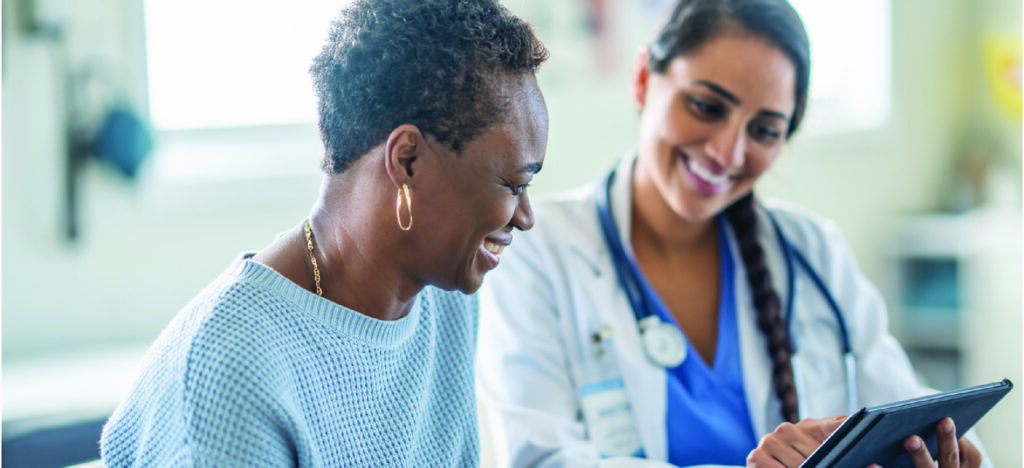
(471,279)
(699,212)
(470,285)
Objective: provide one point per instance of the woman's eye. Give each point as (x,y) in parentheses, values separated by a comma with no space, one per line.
(764,133)
(703,108)
(518,189)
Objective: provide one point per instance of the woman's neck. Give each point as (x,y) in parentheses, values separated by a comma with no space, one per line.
(657,226)
(355,274)
(358,257)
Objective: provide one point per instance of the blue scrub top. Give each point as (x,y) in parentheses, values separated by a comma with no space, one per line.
(707,420)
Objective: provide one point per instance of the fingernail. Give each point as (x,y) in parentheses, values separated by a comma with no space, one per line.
(913,443)
(946,426)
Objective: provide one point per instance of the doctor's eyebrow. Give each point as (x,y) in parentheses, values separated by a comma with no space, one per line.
(735,100)
(719,91)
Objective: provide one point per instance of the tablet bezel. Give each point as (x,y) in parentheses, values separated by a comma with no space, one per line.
(965,406)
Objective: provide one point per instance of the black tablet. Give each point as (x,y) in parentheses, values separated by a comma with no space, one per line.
(876,435)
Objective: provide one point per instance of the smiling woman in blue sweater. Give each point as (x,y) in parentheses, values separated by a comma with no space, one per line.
(349,340)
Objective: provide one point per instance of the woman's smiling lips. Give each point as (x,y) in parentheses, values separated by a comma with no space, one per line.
(707,181)
(492,247)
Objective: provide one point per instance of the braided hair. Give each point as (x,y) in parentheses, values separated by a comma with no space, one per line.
(743,218)
(691,24)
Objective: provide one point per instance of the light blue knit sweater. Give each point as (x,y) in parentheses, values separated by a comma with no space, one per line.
(257,371)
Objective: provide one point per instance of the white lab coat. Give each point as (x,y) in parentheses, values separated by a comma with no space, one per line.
(557,285)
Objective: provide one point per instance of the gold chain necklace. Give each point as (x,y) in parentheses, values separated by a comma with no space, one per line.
(312,258)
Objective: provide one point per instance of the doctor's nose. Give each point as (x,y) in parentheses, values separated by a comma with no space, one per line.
(727,146)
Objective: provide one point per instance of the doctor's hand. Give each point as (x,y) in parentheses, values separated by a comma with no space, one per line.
(790,444)
(952,453)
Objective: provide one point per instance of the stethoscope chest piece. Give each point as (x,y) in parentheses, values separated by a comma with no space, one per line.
(663,342)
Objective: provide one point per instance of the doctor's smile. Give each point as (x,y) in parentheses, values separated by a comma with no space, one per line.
(708,181)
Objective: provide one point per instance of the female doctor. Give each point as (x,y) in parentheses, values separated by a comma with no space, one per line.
(664,313)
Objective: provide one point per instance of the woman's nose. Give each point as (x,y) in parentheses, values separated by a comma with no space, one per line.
(522,218)
(727,147)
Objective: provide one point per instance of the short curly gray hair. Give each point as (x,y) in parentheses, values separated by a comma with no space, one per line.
(430,63)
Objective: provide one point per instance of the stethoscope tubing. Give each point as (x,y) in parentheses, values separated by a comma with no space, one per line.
(791,253)
(629,279)
(627,274)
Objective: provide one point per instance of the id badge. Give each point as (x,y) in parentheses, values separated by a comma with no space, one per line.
(609,419)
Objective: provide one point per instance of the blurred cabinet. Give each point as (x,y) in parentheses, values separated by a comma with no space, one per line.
(953,288)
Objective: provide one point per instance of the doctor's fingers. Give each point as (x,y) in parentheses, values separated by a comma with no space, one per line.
(949,449)
(786,446)
(970,456)
(767,456)
(820,429)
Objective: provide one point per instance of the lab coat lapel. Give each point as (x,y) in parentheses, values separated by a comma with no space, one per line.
(648,394)
(645,382)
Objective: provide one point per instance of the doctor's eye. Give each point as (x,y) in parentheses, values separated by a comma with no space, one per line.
(705,110)
(764,133)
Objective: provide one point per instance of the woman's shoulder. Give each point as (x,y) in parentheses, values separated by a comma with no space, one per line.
(803,228)
(817,238)
(220,337)
(236,319)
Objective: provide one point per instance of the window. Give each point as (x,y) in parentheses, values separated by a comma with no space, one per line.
(233,64)
(850,63)
(230,96)
(229,79)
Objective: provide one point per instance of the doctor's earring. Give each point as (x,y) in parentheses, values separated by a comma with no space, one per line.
(398,207)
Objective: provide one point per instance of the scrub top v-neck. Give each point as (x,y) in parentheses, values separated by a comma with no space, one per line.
(706,419)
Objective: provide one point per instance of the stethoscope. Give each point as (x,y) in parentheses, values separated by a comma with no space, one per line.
(664,343)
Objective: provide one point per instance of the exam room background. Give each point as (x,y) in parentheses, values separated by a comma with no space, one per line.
(76,314)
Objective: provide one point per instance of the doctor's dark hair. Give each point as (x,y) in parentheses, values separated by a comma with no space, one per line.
(434,64)
(691,24)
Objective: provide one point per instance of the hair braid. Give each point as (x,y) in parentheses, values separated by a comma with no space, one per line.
(743,218)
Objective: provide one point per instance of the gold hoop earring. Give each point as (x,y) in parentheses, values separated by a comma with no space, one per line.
(398,207)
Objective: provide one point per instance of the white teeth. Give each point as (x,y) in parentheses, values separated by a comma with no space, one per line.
(493,248)
(703,173)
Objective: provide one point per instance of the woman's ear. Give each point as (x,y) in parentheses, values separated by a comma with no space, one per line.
(402,150)
(640,77)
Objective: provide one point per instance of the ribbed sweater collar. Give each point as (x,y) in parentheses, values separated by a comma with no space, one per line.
(372,331)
